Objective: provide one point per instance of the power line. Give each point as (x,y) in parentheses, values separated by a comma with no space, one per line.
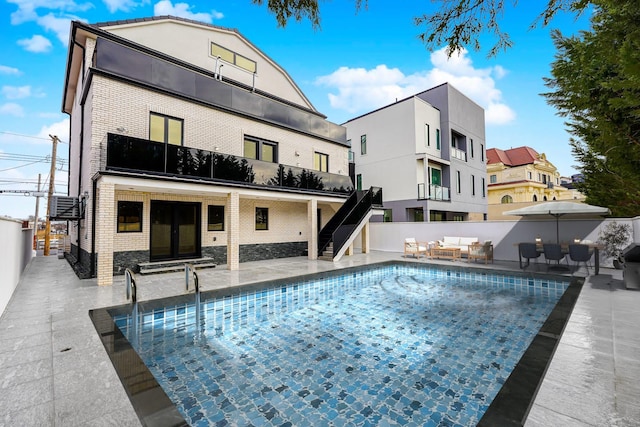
(30,136)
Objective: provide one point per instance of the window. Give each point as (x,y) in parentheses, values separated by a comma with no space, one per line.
(539,178)
(387,215)
(321,162)
(216,218)
(493,179)
(262,218)
(259,149)
(437,139)
(458,182)
(471,147)
(530,175)
(427,136)
(363,144)
(233,58)
(458,217)
(535,198)
(484,194)
(506,199)
(165,129)
(436,176)
(359,182)
(482,152)
(351,154)
(129,217)
(473,185)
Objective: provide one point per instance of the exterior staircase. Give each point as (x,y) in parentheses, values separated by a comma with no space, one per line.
(337,235)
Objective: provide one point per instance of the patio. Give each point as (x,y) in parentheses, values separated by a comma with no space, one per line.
(54,370)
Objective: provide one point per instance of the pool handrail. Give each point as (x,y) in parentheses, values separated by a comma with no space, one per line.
(131,288)
(196,283)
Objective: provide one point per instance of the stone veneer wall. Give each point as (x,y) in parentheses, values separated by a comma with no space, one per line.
(128,259)
(80,262)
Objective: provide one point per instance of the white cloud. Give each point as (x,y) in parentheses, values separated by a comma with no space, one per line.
(60,26)
(16,92)
(36,44)
(123,5)
(183,10)
(11,109)
(361,90)
(27,9)
(9,70)
(59,129)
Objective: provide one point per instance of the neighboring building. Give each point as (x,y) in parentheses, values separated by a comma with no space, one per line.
(522,175)
(427,152)
(187,141)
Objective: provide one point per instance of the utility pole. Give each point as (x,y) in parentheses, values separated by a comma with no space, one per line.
(35,220)
(52,177)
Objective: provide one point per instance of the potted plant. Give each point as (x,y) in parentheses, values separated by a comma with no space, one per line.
(614,237)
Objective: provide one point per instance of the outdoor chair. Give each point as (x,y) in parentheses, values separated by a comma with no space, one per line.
(479,250)
(580,253)
(528,251)
(411,247)
(553,252)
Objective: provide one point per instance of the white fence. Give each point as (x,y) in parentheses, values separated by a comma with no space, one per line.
(15,253)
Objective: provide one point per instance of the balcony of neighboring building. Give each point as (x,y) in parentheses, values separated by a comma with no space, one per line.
(433,192)
(136,155)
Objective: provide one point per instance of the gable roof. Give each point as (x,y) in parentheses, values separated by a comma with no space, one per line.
(512,157)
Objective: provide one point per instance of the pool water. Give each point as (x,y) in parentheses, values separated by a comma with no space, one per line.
(412,346)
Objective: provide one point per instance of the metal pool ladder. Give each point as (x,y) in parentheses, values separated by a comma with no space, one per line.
(131,288)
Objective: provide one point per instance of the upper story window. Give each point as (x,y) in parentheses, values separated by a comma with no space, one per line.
(506,199)
(233,58)
(484,194)
(530,175)
(260,149)
(458,182)
(165,129)
(427,135)
(437,139)
(471,147)
(493,179)
(473,185)
(363,144)
(482,152)
(321,162)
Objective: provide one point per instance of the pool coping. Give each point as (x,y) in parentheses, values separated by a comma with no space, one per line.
(510,406)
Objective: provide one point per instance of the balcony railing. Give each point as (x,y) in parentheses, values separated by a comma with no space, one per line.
(458,154)
(135,154)
(436,192)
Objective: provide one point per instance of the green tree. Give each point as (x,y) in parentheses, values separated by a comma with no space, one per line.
(596,86)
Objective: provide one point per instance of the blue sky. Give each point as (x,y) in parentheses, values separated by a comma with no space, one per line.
(357,62)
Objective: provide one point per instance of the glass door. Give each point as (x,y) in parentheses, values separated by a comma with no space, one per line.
(174,230)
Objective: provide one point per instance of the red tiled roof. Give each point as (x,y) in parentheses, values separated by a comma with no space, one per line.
(513,157)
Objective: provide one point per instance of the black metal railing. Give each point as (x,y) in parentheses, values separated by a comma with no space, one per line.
(135,154)
(342,225)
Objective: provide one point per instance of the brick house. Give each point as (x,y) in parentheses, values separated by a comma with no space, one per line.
(188,142)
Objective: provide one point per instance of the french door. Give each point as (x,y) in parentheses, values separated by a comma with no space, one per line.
(175,230)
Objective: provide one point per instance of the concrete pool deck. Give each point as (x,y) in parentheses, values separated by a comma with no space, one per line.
(54,369)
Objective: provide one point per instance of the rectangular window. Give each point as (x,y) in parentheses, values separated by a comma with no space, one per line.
(483,188)
(262,218)
(352,158)
(530,175)
(359,182)
(473,185)
(539,178)
(427,136)
(233,58)
(165,129)
(260,149)
(437,139)
(458,182)
(493,179)
(129,217)
(216,218)
(482,152)
(363,144)
(321,162)
(471,147)
(387,215)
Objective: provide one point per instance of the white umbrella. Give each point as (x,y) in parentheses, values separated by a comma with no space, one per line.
(558,209)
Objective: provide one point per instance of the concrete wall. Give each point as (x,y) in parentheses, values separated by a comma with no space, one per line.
(15,254)
(505,235)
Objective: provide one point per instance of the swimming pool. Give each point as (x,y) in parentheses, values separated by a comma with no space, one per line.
(395,344)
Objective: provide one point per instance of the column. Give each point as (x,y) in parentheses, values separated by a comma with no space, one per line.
(233,231)
(105,230)
(312,228)
(365,238)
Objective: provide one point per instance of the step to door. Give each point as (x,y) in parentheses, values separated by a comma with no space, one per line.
(174,265)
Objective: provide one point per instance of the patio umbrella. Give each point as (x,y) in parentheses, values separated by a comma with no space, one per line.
(559,209)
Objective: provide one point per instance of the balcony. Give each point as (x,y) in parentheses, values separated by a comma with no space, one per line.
(141,155)
(436,192)
(458,154)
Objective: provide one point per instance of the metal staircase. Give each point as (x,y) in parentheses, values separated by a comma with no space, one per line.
(336,236)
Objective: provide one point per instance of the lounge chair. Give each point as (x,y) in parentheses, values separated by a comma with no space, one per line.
(411,247)
(481,251)
(528,251)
